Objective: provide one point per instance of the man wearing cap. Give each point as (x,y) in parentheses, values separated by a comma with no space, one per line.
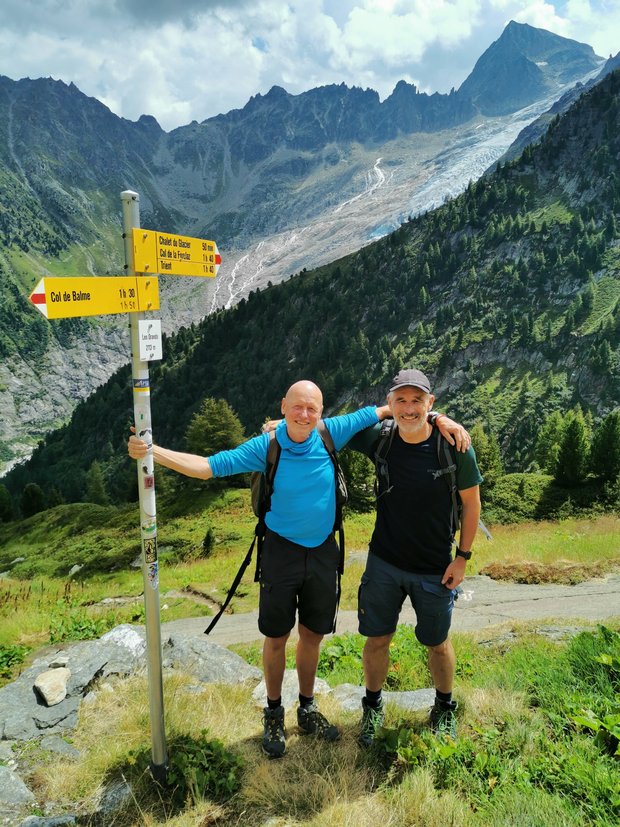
(410,551)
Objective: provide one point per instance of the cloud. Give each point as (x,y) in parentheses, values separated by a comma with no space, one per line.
(191,59)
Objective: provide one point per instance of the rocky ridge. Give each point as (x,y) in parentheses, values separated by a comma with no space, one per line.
(287,182)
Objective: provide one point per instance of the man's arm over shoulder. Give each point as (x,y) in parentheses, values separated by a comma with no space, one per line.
(342,428)
(366,441)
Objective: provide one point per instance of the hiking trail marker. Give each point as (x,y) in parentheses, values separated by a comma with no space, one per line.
(174,255)
(66,298)
(147,252)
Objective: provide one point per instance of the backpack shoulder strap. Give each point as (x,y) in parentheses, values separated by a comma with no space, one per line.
(341,498)
(326,437)
(384,443)
(447,462)
(273,457)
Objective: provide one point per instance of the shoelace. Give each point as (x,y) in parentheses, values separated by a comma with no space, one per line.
(372,720)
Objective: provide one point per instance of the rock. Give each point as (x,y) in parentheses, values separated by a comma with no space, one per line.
(17,560)
(350,698)
(23,715)
(74,569)
(54,743)
(290,690)
(113,797)
(206,661)
(6,751)
(12,788)
(51,686)
(44,821)
(559,632)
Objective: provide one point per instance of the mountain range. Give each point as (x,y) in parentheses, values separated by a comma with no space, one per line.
(284,184)
(507,295)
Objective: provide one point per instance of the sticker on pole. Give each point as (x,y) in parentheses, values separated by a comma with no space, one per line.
(174,255)
(149,334)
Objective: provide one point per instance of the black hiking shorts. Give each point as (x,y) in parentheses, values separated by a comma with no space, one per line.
(297,580)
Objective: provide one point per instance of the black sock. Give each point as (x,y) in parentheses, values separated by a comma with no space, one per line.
(443,698)
(373,699)
(305,702)
(274,704)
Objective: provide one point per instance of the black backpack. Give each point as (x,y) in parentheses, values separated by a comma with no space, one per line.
(261,483)
(446,454)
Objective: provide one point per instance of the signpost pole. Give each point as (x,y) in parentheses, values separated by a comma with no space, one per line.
(148,524)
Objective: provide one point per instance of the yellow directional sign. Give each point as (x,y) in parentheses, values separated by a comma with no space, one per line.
(65,298)
(174,255)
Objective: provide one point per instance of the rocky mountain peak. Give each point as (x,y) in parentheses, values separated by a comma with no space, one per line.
(524,64)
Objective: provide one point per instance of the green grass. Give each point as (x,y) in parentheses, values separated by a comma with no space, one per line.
(522,757)
(39,595)
(606,299)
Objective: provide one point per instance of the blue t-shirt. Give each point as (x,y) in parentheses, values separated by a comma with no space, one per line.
(303,503)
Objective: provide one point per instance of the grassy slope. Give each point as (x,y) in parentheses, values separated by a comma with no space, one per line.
(106,540)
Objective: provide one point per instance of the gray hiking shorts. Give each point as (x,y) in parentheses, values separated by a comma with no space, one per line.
(382,592)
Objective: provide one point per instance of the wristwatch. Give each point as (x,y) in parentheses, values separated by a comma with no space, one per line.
(466,555)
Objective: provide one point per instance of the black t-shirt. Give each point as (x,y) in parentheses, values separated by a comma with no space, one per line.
(413,526)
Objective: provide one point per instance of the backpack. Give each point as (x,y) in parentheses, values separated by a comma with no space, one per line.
(261,483)
(446,454)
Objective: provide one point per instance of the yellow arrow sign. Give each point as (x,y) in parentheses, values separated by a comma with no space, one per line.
(174,255)
(65,298)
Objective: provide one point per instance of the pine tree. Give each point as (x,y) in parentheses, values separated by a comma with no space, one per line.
(6,505)
(605,457)
(95,486)
(214,427)
(488,455)
(32,500)
(574,455)
(550,436)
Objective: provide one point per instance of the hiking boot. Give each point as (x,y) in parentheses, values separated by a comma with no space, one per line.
(312,722)
(274,742)
(372,719)
(443,720)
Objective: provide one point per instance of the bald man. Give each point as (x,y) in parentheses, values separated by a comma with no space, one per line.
(300,557)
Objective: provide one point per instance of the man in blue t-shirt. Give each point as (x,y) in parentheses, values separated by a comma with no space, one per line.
(300,557)
(410,550)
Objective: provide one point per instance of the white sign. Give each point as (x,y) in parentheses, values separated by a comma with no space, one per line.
(149,333)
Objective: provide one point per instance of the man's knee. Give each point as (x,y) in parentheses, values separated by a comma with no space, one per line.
(377,644)
(441,648)
(275,644)
(308,636)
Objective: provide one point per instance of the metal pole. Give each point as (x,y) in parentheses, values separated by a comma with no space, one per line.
(148,522)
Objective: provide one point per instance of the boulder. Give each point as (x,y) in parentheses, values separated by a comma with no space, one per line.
(51,685)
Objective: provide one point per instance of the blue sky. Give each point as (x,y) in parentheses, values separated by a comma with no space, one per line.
(184,60)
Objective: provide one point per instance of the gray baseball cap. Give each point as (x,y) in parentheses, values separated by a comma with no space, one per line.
(412,378)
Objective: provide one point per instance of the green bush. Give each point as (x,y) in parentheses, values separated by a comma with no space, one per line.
(199,769)
(69,623)
(10,657)
(517,498)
